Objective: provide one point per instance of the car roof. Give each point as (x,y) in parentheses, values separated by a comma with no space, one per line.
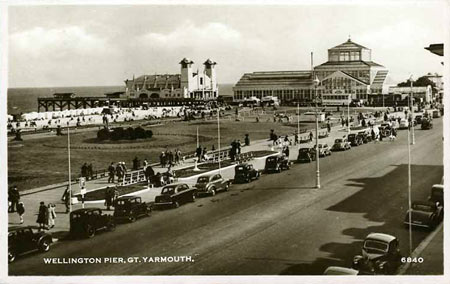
(381,237)
(17,228)
(175,184)
(83,210)
(128,197)
(341,270)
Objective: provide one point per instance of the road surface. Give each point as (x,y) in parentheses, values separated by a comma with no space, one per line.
(278,224)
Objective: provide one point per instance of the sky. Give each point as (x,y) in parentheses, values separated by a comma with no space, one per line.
(52,46)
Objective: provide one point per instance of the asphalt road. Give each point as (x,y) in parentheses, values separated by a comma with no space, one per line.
(277,225)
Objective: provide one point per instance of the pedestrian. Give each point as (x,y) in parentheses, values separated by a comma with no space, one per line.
(108,198)
(90,171)
(136,163)
(21,211)
(149,173)
(84,169)
(42,218)
(247,140)
(171,158)
(328,127)
(178,155)
(115,196)
(112,173)
(145,163)
(296,138)
(14,197)
(67,201)
(162,159)
(51,215)
(311,135)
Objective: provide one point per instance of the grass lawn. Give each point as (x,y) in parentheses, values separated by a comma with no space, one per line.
(38,162)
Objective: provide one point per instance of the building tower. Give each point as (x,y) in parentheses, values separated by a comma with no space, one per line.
(210,71)
(187,77)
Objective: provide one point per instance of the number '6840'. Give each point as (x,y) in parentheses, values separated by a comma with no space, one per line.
(411,259)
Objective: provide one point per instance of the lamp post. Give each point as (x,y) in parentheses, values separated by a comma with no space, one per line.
(409,191)
(412,111)
(348,109)
(218,134)
(316,83)
(298,120)
(70,172)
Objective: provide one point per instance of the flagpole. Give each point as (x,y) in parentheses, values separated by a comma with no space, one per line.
(70,172)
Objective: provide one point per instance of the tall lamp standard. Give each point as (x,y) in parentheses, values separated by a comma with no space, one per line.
(316,83)
(412,111)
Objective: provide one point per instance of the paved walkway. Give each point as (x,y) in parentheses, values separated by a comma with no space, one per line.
(53,193)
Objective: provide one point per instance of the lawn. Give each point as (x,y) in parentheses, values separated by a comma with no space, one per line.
(38,162)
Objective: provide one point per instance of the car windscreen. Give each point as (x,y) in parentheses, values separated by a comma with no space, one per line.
(372,245)
(422,207)
(203,179)
(168,190)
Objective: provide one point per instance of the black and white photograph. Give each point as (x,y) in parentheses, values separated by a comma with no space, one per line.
(224,142)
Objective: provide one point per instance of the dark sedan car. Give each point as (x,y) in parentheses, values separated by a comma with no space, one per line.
(426,124)
(277,164)
(211,184)
(306,155)
(175,194)
(130,208)
(366,137)
(341,145)
(245,173)
(424,214)
(380,255)
(87,221)
(22,240)
(355,139)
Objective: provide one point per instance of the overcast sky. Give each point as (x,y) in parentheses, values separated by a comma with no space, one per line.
(104,45)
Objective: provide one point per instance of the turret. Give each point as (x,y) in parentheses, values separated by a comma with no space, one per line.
(186,74)
(210,71)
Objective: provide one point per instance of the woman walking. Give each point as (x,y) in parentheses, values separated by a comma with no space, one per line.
(51,215)
(42,218)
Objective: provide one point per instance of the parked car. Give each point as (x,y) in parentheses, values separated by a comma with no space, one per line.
(22,240)
(130,208)
(87,221)
(324,150)
(306,155)
(175,194)
(424,214)
(437,194)
(418,118)
(337,270)
(380,255)
(245,173)
(341,144)
(211,184)
(355,139)
(426,124)
(385,130)
(277,164)
(436,113)
(365,136)
(404,124)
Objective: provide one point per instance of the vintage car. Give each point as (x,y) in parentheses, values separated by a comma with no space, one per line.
(338,270)
(404,124)
(130,208)
(22,240)
(426,124)
(380,255)
(437,194)
(324,150)
(306,155)
(424,214)
(341,144)
(365,135)
(245,173)
(175,194)
(211,184)
(355,139)
(418,118)
(385,130)
(277,164)
(86,222)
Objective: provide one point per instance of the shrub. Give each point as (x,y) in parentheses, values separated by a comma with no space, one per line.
(119,133)
(148,134)
(103,134)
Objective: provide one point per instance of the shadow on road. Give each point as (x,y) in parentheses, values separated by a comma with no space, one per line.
(371,200)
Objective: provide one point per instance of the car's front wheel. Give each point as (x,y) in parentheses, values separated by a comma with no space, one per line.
(132,217)
(44,246)
(11,256)
(148,211)
(193,197)
(213,191)
(90,231)
(111,226)
(176,204)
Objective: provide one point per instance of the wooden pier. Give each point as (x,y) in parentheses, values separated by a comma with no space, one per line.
(57,103)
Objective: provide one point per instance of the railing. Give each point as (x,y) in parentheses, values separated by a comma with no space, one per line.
(133,177)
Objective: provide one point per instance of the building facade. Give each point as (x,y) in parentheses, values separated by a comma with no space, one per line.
(420,94)
(349,74)
(188,84)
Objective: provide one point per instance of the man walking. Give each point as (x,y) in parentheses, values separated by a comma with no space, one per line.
(112,172)
(14,198)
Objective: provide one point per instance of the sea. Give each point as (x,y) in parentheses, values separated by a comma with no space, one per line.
(23,100)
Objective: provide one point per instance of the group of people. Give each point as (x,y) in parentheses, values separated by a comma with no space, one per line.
(111,195)
(87,171)
(14,203)
(169,159)
(235,149)
(119,170)
(46,216)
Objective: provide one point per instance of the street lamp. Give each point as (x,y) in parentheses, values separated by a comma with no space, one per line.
(316,83)
(409,167)
(412,110)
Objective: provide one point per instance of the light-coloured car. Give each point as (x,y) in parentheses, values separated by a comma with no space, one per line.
(211,184)
(404,124)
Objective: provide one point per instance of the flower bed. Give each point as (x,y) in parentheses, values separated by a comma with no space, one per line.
(100,193)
